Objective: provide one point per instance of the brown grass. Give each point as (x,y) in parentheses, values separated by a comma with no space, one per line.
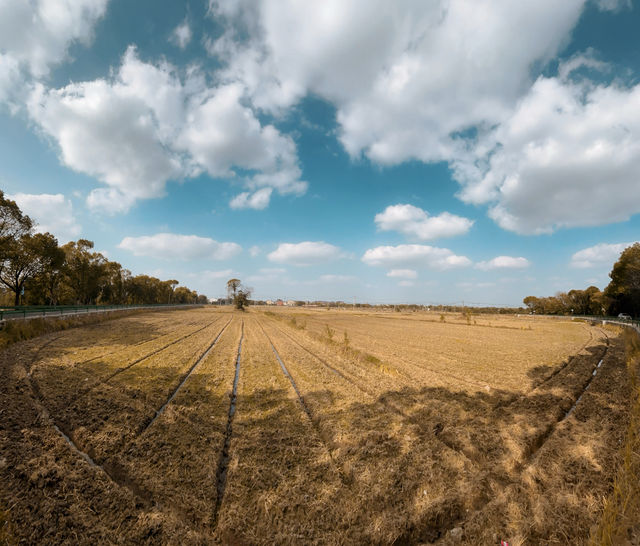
(20,330)
(5,533)
(620,520)
(404,430)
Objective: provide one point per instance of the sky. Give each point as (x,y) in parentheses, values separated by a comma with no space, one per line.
(433,152)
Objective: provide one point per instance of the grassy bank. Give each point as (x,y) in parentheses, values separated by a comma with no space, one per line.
(620,522)
(19,330)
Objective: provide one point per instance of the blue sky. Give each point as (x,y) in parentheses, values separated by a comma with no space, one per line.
(390,152)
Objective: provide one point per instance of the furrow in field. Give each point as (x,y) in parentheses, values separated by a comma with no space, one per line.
(538,442)
(223,462)
(83,381)
(371,386)
(88,343)
(381,447)
(67,436)
(177,459)
(566,478)
(183,379)
(413,371)
(280,476)
(113,414)
(429,353)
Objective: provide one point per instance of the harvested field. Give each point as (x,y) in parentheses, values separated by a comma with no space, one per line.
(298,426)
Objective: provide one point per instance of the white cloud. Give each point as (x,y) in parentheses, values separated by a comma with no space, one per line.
(52,212)
(254,251)
(406,283)
(336,278)
(442,81)
(422,256)
(613,5)
(146,125)
(406,77)
(170,246)
(504,262)
(415,222)
(305,253)
(568,156)
(272,270)
(258,200)
(403,273)
(601,255)
(181,35)
(36,35)
(209,275)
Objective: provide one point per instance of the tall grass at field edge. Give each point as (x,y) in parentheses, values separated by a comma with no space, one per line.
(620,520)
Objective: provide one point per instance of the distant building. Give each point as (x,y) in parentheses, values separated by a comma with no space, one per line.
(279,302)
(291,303)
(269,302)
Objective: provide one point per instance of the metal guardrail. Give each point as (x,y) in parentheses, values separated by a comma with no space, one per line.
(31,312)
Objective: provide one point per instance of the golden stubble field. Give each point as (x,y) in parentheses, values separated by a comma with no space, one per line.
(302,426)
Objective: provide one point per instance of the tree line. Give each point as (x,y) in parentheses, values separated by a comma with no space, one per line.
(35,270)
(622,294)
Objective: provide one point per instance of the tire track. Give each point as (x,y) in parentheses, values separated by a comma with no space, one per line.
(306,409)
(569,361)
(100,382)
(31,368)
(542,439)
(183,380)
(412,379)
(116,477)
(375,397)
(225,457)
(109,353)
(535,446)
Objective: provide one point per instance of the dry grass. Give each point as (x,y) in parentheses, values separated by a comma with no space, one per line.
(404,430)
(620,520)
(507,353)
(5,532)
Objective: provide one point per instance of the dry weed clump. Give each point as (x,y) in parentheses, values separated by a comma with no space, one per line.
(620,520)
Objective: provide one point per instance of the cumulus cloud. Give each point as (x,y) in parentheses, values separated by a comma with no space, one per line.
(171,246)
(423,80)
(258,200)
(403,273)
(504,262)
(147,125)
(181,35)
(600,255)
(421,256)
(52,212)
(406,77)
(36,35)
(305,253)
(563,159)
(415,222)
